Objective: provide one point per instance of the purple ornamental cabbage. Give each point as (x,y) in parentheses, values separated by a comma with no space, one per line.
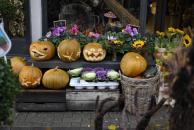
(98,69)
(101,75)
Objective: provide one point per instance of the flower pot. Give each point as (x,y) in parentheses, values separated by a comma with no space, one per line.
(114,56)
(160,52)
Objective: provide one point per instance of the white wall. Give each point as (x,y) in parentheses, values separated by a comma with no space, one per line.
(36,19)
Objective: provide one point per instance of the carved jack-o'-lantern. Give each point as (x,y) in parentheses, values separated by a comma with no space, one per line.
(69,50)
(30,77)
(94,52)
(42,50)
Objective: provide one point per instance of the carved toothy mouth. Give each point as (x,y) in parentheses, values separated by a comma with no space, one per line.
(69,56)
(94,56)
(30,83)
(37,54)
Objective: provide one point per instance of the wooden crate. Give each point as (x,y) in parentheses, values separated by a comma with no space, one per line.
(86,99)
(41,100)
(61,100)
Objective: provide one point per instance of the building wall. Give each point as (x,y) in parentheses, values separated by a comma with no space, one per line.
(36,19)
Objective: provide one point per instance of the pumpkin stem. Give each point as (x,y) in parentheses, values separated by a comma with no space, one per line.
(56,67)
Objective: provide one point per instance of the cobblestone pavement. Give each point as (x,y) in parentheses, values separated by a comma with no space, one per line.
(81,120)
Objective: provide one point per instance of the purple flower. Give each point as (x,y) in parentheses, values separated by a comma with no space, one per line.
(128,29)
(135,31)
(56,31)
(74,30)
(95,35)
(132,31)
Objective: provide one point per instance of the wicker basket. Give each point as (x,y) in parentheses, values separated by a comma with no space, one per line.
(138,92)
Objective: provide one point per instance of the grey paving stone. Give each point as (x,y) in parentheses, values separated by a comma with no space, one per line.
(75,124)
(67,119)
(58,117)
(68,115)
(76,119)
(60,124)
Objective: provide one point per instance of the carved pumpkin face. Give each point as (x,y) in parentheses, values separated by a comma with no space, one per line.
(30,77)
(41,51)
(17,63)
(69,50)
(94,52)
(55,79)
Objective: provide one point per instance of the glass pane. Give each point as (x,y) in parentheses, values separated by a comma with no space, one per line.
(91,13)
(180,14)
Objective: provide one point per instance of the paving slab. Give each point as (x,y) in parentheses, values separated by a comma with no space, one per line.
(81,120)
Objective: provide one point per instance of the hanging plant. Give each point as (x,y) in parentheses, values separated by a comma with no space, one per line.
(8,90)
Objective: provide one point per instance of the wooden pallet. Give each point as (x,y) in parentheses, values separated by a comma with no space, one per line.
(61,100)
(41,100)
(64,100)
(86,99)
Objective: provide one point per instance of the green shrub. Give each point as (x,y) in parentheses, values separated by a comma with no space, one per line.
(9,86)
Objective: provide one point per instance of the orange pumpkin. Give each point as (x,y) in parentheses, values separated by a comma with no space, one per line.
(69,50)
(30,77)
(17,63)
(42,50)
(133,64)
(55,79)
(94,52)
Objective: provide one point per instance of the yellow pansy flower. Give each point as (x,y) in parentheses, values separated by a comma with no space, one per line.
(118,42)
(160,34)
(138,44)
(171,29)
(112,127)
(180,31)
(187,41)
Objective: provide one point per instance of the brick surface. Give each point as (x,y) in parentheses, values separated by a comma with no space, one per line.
(85,120)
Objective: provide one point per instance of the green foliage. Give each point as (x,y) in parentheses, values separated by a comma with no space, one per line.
(13,13)
(9,86)
(113,42)
(7,9)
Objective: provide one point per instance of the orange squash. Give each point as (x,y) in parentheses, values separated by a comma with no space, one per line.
(42,50)
(69,50)
(55,79)
(17,63)
(30,77)
(94,52)
(133,64)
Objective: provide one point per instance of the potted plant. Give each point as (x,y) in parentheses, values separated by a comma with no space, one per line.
(8,90)
(167,42)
